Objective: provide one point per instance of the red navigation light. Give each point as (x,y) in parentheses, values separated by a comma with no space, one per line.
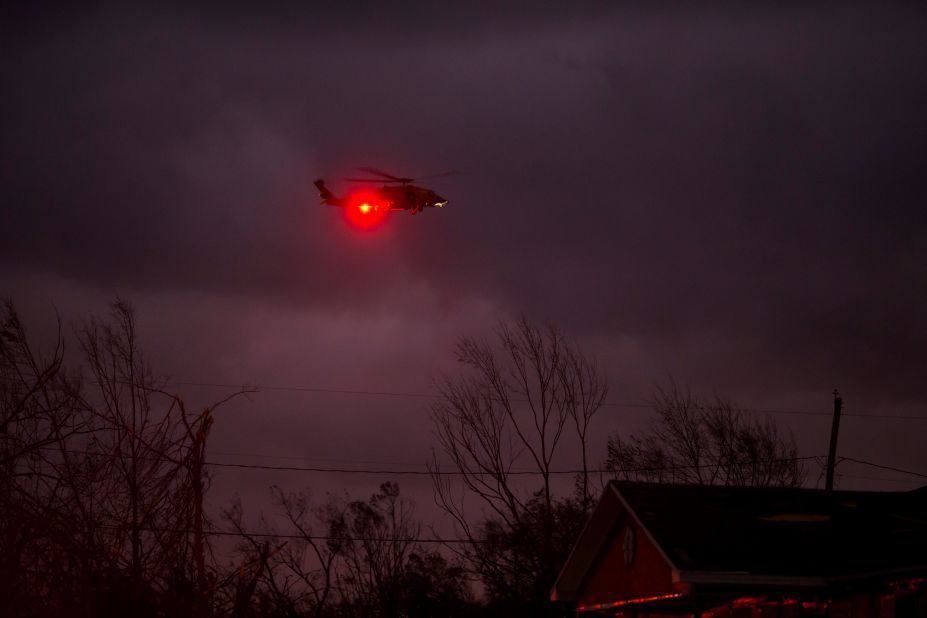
(365,209)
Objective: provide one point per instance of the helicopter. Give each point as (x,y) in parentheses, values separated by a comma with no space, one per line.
(396,193)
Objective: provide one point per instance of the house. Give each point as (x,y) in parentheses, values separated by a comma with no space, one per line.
(742,552)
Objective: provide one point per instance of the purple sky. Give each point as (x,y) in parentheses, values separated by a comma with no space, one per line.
(732,197)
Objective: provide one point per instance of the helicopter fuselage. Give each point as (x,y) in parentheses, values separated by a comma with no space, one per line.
(410,197)
(401,196)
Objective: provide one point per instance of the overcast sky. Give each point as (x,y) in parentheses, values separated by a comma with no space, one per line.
(734,197)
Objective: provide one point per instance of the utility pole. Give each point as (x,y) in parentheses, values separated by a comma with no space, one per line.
(832,452)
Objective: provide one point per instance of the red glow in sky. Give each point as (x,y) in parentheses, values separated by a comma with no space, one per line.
(365,209)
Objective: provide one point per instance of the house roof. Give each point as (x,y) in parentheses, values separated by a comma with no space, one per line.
(714,534)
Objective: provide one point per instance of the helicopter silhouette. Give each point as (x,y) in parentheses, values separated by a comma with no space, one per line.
(396,192)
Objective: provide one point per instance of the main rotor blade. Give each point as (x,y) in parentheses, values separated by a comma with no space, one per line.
(382,180)
(376,172)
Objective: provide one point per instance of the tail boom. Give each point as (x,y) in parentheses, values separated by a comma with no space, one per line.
(327,196)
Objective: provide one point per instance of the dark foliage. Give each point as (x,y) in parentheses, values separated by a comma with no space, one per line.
(354,558)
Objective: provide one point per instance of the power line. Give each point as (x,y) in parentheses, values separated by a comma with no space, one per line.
(311,537)
(841,475)
(883,467)
(304,458)
(387,471)
(440,540)
(420,395)
(223,464)
(508,473)
(309,389)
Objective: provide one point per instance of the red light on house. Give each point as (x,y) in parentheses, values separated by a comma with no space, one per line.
(748,601)
(599,606)
(365,209)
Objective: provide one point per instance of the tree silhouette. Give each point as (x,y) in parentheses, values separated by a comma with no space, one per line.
(703,442)
(351,558)
(514,404)
(103,480)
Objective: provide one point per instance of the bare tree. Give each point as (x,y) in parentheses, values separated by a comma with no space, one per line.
(357,558)
(38,412)
(299,577)
(103,479)
(707,443)
(256,581)
(510,407)
(148,496)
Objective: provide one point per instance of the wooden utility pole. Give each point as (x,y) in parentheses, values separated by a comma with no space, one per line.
(832,452)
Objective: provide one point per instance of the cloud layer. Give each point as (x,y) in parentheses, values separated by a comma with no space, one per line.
(733,197)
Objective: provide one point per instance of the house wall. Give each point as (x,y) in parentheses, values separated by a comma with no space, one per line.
(611,580)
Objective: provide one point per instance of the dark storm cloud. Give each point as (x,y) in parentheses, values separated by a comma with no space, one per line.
(747,177)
